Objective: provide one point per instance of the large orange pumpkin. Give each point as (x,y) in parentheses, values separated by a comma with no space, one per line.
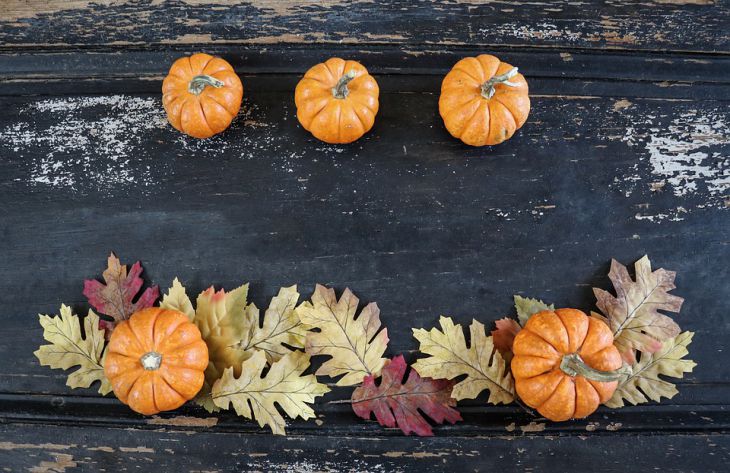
(201,95)
(565,364)
(337,101)
(155,360)
(483,100)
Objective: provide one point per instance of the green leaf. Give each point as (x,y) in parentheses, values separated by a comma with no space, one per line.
(527,306)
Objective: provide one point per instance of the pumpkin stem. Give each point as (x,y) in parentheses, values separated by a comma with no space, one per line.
(488,89)
(198,83)
(340,91)
(573,365)
(151,360)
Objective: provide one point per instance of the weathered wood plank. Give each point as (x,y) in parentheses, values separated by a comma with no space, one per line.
(673,25)
(182,449)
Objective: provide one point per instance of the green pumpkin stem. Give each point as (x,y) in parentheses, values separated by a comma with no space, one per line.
(199,83)
(340,91)
(573,365)
(488,89)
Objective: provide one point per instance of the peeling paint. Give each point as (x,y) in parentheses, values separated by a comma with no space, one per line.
(183,421)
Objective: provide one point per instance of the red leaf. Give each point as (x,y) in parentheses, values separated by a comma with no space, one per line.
(397,405)
(504,335)
(115,297)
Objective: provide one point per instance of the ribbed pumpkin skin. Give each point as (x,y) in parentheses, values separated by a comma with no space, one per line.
(180,374)
(337,120)
(538,350)
(211,112)
(474,119)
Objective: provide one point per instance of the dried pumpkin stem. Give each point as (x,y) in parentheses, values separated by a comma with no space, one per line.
(340,91)
(573,365)
(151,361)
(198,83)
(488,89)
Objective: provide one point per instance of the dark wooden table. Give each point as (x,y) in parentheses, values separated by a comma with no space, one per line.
(626,152)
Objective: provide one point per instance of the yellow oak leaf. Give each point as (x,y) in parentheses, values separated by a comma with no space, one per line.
(68,348)
(450,357)
(645,384)
(633,314)
(355,345)
(281,327)
(253,395)
(177,299)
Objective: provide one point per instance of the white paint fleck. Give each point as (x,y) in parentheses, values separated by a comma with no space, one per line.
(684,158)
(102,153)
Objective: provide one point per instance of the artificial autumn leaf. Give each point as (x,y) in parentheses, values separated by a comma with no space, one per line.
(504,335)
(281,327)
(450,357)
(68,348)
(355,345)
(397,404)
(253,395)
(527,306)
(633,314)
(115,297)
(177,299)
(507,328)
(220,316)
(644,384)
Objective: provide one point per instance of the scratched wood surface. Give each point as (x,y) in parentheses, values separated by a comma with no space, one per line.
(625,153)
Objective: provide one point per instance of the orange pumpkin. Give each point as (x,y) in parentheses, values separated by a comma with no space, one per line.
(483,100)
(155,360)
(337,101)
(201,95)
(565,364)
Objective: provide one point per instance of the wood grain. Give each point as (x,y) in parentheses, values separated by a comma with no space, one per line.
(647,25)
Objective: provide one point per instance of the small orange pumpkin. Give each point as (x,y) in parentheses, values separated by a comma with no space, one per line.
(155,360)
(201,95)
(565,364)
(337,101)
(483,100)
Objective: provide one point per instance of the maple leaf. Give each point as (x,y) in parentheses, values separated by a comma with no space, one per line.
(633,314)
(450,357)
(504,336)
(355,345)
(115,297)
(253,395)
(644,383)
(397,404)
(527,306)
(220,317)
(177,299)
(68,348)
(281,326)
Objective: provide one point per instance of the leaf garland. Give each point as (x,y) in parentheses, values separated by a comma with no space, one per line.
(645,383)
(633,314)
(450,357)
(255,395)
(355,345)
(114,298)
(397,404)
(68,348)
(256,366)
